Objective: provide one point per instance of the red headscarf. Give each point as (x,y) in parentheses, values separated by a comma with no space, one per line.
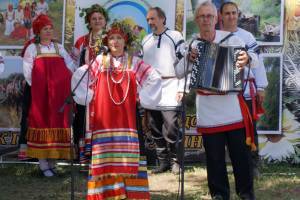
(40,22)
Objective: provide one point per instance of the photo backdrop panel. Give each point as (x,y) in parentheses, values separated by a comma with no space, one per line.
(11,87)
(134,11)
(270,121)
(263,18)
(15,31)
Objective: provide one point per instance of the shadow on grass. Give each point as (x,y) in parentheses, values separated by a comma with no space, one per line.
(26,182)
(187,196)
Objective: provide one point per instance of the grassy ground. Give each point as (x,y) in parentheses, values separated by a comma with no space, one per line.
(25,182)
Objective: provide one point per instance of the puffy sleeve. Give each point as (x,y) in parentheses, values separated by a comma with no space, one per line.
(184,66)
(259,72)
(76,50)
(81,81)
(67,58)
(28,59)
(149,81)
(180,54)
(260,75)
(75,54)
(80,85)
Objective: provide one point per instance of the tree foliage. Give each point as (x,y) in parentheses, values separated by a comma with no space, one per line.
(270,119)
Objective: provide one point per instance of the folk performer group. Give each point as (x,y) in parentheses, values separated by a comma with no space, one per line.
(109,80)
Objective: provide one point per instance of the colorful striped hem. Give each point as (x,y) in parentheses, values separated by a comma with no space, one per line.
(48,153)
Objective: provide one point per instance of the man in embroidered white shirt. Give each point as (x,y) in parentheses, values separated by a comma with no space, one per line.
(160,48)
(222,119)
(257,80)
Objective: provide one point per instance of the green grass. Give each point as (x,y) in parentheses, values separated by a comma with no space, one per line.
(25,182)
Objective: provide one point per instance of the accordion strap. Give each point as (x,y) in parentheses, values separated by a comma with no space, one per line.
(221,41)
(226,38)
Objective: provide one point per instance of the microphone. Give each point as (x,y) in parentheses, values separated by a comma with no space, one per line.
(103,49)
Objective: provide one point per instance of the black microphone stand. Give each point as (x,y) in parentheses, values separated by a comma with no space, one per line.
(183,121)
(69,101)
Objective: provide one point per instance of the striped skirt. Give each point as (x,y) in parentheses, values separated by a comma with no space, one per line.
(117,171)
(121,187)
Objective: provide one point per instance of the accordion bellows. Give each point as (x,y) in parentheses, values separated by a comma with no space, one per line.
(215,68)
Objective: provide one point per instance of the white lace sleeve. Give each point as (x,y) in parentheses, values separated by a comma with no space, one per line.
(28,59)
(68,60)
(82,94)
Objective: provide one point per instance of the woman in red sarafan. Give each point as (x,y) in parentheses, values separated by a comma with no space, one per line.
(47,69)
(86,49)
(117,171)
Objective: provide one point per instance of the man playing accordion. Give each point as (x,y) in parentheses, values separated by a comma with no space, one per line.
(223,118)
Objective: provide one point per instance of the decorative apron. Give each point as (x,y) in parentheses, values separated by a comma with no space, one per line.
(48,134)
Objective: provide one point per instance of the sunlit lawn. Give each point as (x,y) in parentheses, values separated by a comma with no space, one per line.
(25,182)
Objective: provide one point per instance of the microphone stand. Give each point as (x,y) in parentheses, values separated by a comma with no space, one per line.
(183,121)
(183,118)
(69,101)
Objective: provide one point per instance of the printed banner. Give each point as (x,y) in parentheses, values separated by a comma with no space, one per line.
(16,17)
(134,11)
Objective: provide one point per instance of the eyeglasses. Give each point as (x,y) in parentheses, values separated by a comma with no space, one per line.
(203,17)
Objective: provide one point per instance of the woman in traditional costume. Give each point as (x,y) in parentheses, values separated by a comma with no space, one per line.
(27,18)
(9,20)
(117,170)
(86,48)
(47,69)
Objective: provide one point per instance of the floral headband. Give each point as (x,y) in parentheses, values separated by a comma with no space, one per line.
(117,30)
(87,13)
(124,29)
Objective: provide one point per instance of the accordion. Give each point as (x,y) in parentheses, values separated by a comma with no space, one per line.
(215,68)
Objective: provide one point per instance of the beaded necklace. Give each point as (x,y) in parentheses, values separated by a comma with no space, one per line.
(95,44)
(114,70)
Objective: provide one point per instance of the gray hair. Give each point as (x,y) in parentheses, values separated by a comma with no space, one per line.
(206,3)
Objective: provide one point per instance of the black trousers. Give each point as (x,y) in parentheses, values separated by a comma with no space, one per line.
(240,156)
(165,132)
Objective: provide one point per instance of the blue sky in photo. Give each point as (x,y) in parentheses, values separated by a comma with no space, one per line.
(12,65)
(131,10)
